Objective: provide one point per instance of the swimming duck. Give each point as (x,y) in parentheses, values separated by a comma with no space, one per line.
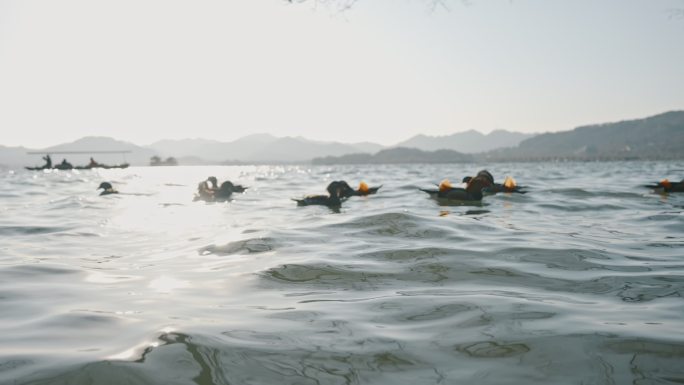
(235,187)
(667,187)
(509,185)
(214,193)
(472,192)
(224,192)
(335,190)
(363,190)
(107,188)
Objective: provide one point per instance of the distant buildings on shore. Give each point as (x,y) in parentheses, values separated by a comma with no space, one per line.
(157,161)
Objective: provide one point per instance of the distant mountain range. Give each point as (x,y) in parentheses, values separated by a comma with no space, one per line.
(259,148)
(469,142)
(656,137)
(659,137)
(398,155)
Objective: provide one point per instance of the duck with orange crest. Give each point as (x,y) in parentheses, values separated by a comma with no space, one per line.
(363,190)
(508,186)
(473,191)
(665,186)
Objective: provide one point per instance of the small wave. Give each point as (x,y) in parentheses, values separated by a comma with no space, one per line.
(255,245)
(31,230)
(294,273)
(405,225)
(491,349)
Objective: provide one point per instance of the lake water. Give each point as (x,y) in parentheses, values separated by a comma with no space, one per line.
(580,281)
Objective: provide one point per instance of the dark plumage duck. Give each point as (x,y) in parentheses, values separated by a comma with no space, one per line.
(472,192)
(508,186)
(666,186)
(363,190)
(237,188)
(214,193)
(333,199)
(107,188)
(224,192)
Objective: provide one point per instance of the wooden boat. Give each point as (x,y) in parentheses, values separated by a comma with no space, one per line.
(65,165)
(105,166)
(69,167)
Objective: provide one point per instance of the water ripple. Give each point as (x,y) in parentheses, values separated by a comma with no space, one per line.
(570,283)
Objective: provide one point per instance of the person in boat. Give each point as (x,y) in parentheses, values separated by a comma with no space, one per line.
(48,161)
(64,165)
(333,199)
(107,188)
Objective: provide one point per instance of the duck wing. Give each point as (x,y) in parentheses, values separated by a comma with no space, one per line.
(458,194)
(321,200)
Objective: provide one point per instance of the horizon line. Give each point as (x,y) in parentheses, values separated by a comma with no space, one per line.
(139,144)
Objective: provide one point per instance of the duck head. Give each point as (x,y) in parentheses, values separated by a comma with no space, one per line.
(337,190)
(476,185)
(487,175)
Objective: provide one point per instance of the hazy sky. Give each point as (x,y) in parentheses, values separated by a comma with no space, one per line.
(382,71)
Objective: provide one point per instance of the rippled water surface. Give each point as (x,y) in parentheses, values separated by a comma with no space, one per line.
(580,281)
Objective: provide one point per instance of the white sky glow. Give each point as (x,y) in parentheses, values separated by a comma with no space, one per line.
(383,71)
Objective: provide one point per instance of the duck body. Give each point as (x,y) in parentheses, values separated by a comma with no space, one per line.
(665,186)
(500,188)
(460,194)
(454,194)
(320,200)
(363,190)
(336,191)
(472,193)
(236,188)
(216,193)
(509,185)
(224,192)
